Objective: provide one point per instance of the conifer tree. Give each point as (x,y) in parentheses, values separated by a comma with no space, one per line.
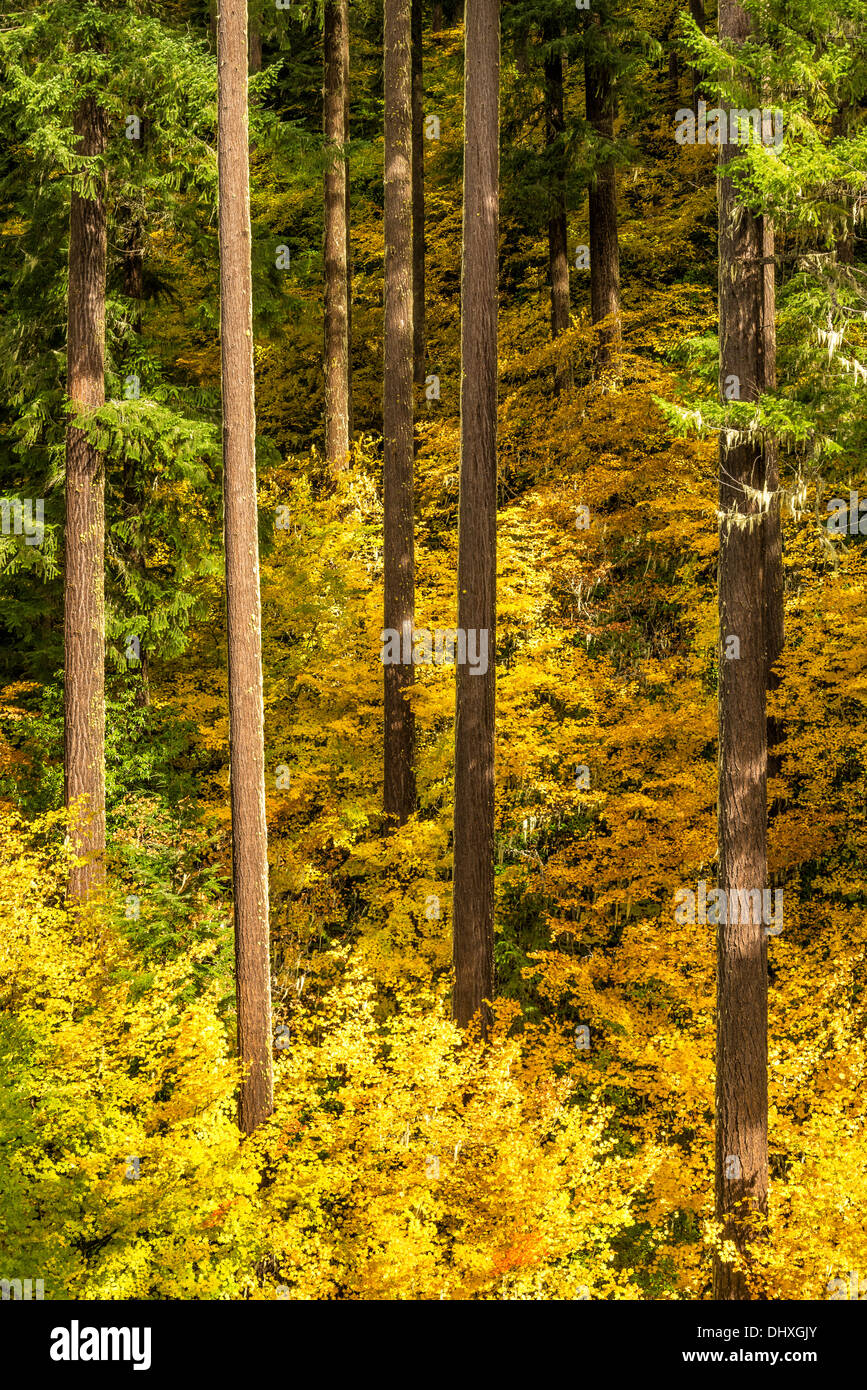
(601,103)
(399,543)
(243,606)
(555,126)
(84,587)
(473,911)
(337,286)
(418,246)
(742,983)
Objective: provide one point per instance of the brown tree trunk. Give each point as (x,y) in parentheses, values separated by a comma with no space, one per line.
(773,556)
(399,607)
(558,258)
(345,33)
(437,17)
(254,39)
(84,582)
(244,618)
(604,246)
(336,242)
(418,317)
(255,53)
(473,911)
(742,986)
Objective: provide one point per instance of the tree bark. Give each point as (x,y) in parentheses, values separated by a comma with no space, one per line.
(418,247)
(742,989)
(244,619)
(558,258)
(336,241)
(345,33)
(604,247)
(254,42)
(773,556)
(399,606)
(473,911)
(84,582)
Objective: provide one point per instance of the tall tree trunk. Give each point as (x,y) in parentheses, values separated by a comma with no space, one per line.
(244,617)
(604,247)
(437,17)
(558,258)
(418,291)
(336,242)
(345,33)
(254,38)
(84,582)
(773,556)
(742,985)
(473,912)
(399,608)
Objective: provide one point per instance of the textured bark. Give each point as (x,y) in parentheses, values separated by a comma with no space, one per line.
(244,619)
(84,585)
(604,247)
(773,556)
(399,608)
(742,988)
(345,33)
(437,17)
(255,49)
(558,258)
(254,35)
(418,247)
(336,241)
(473,912)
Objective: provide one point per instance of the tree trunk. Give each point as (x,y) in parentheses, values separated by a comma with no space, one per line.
(773,556)
(418,317)
(437,17)
(742,986)
(345,33)
(399,608)
(255,50)
(254,40)
(336,242)
(84,586)
(604,247)
(244,619)
(558,259)
(473,912)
